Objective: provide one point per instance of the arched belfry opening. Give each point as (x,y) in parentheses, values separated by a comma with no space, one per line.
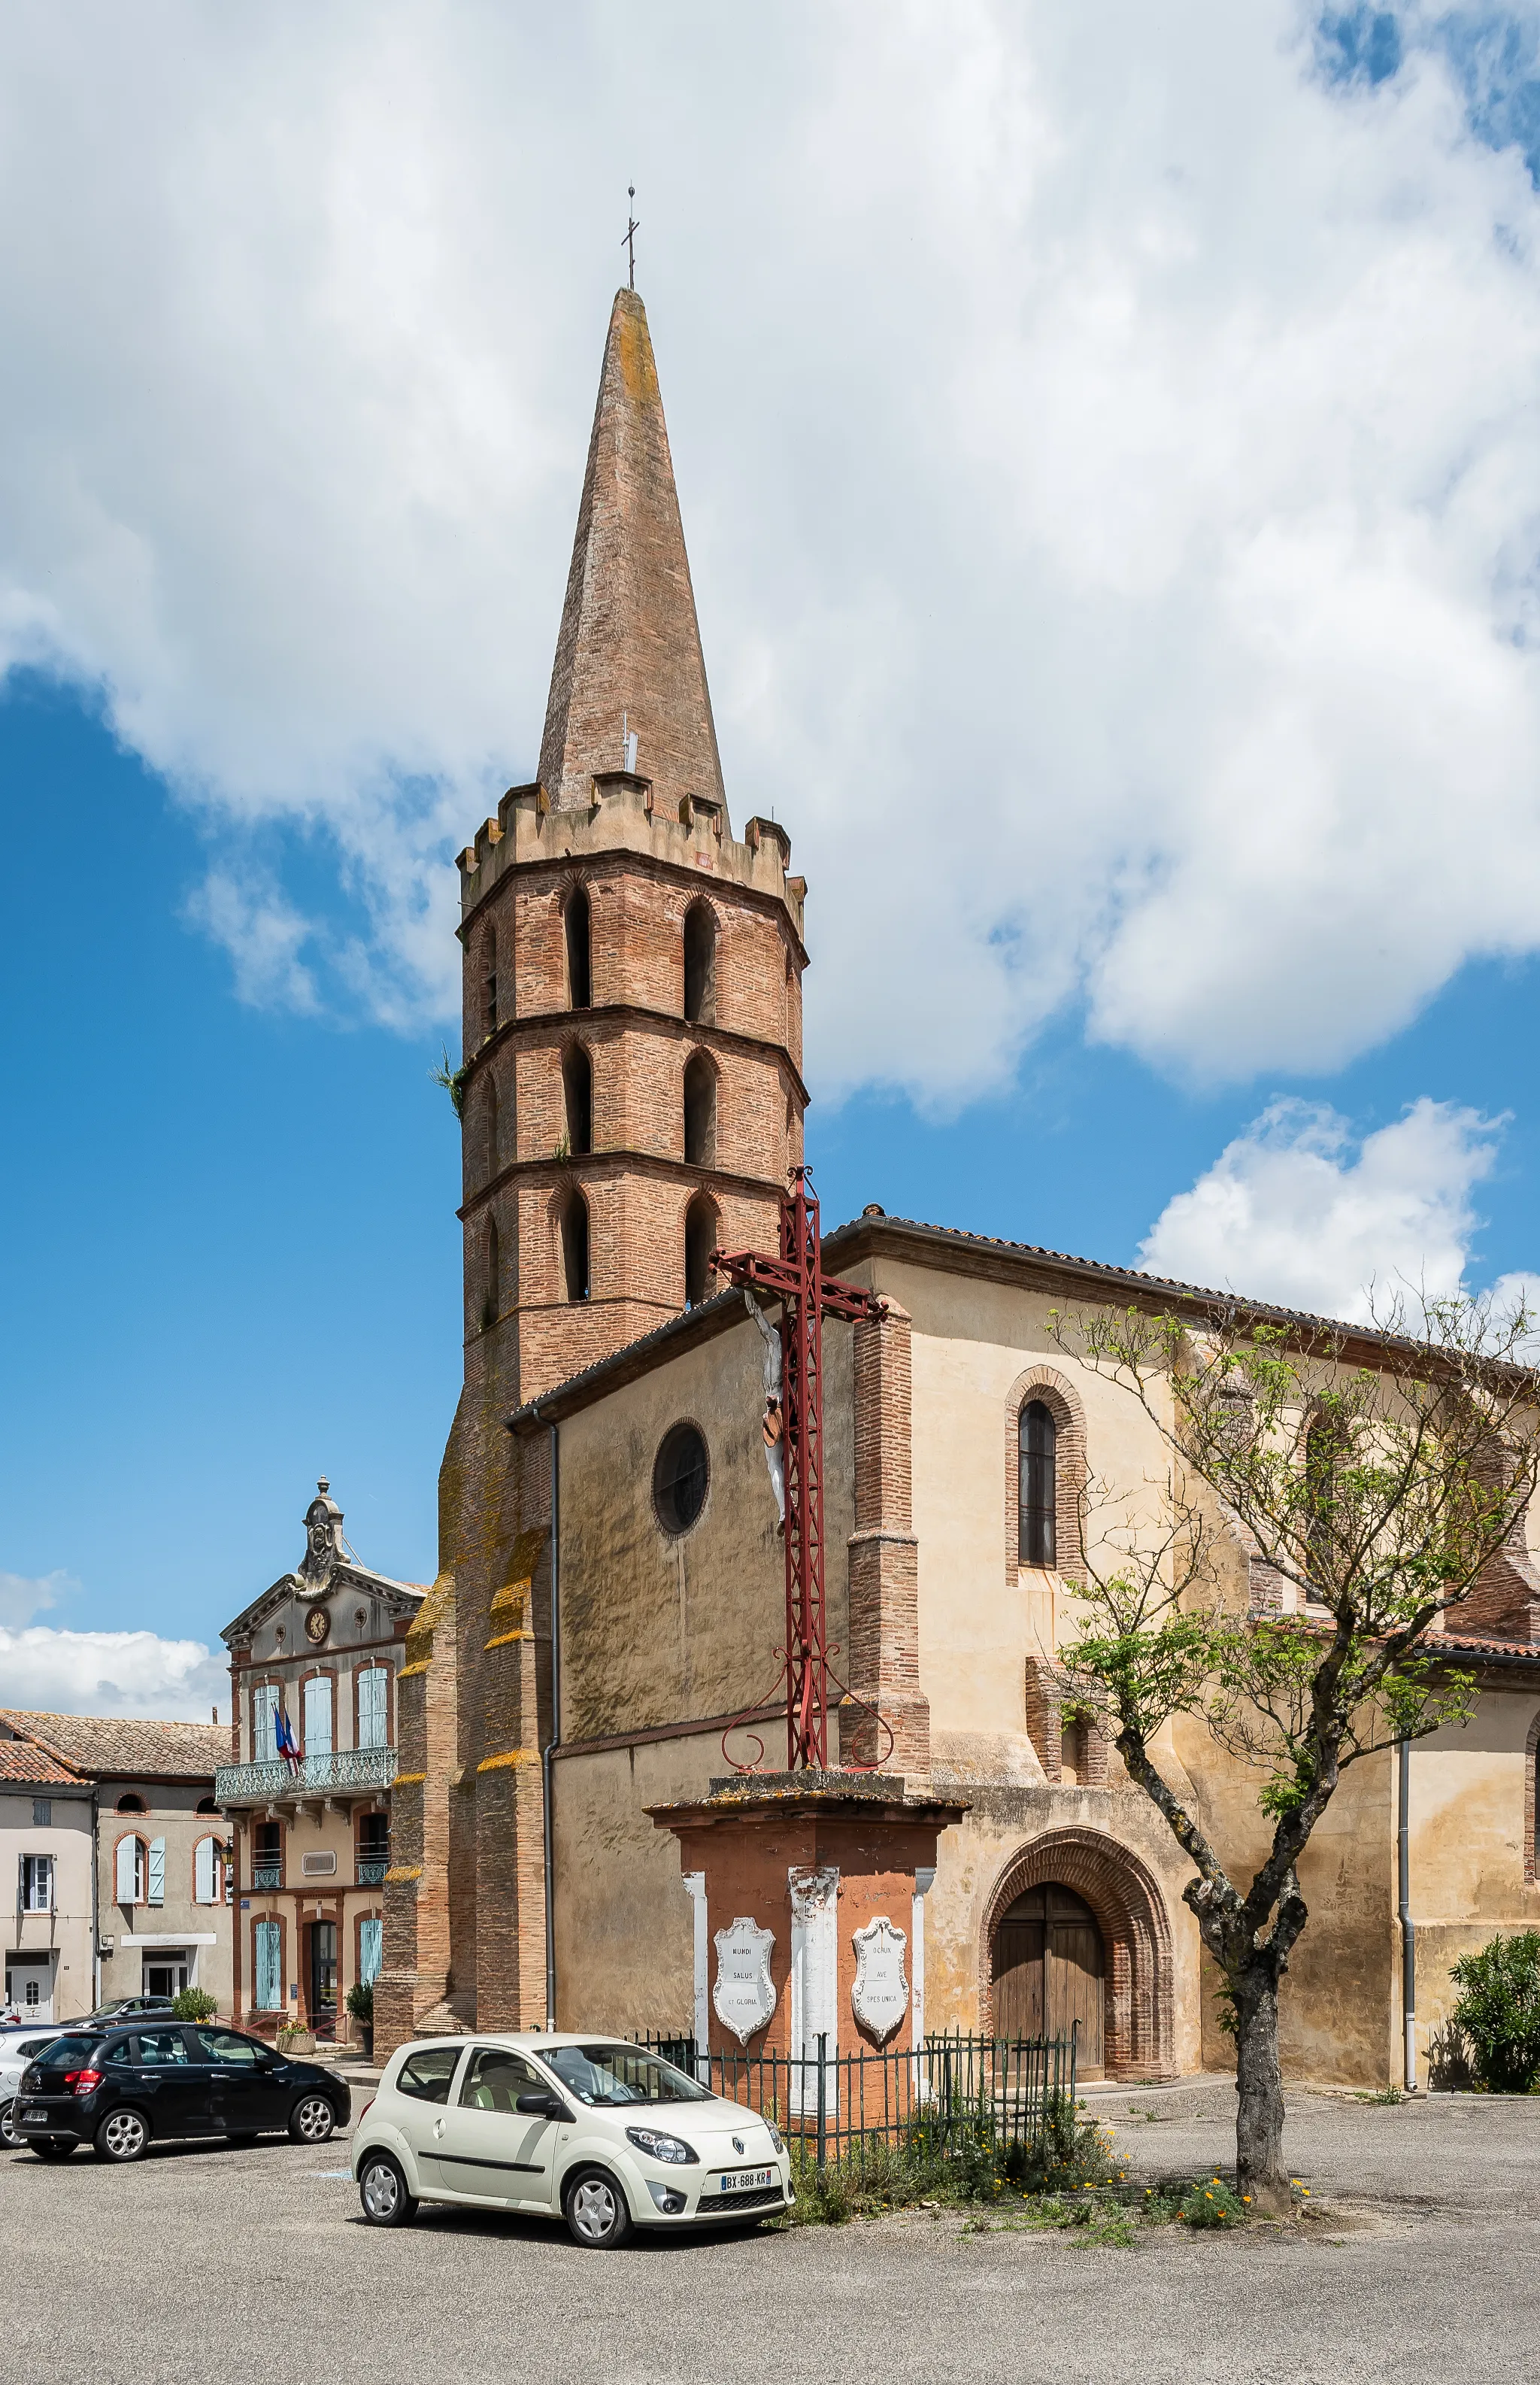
(700,1112)
(573,1222)
(701,963)
(701,1236)
(578,921)
(578,1099)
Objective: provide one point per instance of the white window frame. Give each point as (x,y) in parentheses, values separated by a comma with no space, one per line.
(376,1714)
(36,1870)
(265,1699)
(319,1696)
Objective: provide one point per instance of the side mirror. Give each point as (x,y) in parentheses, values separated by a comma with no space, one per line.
(543,2105)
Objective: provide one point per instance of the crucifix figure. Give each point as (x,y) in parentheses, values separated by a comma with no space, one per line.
(794,1413)
(629,243)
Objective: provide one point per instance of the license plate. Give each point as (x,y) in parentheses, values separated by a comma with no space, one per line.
(740,2181)
(33,2119)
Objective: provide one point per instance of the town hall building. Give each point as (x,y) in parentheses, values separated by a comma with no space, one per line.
(599,1652)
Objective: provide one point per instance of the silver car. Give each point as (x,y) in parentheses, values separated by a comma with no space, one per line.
(18,2047)
(606,2135)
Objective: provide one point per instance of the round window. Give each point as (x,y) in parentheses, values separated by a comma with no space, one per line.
(680,1473)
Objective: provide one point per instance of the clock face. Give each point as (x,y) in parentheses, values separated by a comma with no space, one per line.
(317,1625)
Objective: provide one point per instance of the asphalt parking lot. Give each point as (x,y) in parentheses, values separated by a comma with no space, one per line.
(213,2265)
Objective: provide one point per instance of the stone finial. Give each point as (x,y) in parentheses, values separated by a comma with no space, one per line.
(629,689)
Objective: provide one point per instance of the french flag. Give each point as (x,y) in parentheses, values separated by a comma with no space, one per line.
(286,1747)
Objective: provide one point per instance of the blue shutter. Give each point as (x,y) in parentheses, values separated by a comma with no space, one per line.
(157,1871)
(368,1952)
(269,1986)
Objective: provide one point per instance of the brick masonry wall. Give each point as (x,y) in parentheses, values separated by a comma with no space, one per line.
(883,1623)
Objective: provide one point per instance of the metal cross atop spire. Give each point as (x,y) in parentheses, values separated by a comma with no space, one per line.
(629,243)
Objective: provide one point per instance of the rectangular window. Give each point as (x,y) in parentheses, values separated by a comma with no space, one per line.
(369,1936)
(43,1813)
(269,1971)
(37,1883)
(372,1691)
(317,1716)
(265,1723)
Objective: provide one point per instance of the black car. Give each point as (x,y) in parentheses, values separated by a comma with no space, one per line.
(116,2089)
(127,2008)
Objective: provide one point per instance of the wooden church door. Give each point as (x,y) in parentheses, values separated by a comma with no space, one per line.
(1046,1970)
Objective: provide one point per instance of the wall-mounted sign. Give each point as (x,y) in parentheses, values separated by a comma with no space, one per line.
(745,1993)
(880,1996)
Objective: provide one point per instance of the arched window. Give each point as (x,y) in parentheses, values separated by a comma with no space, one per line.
(132,1866)
(205,1806)
(700,1112)
(701,963)
(575,1244)
(207,1872)
(701,1239)
(580,976)
(490,1111)
(488,983)
(493,1308)
(1039,1504)
(577,1096)
(130,1803)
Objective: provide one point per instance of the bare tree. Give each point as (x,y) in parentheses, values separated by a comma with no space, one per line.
(1325,1507)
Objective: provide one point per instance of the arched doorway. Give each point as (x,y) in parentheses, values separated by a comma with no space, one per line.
(1047,1970)
(1125,1900)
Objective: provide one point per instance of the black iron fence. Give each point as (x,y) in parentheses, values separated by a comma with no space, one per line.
(836,2102)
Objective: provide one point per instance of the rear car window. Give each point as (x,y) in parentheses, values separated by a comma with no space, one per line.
(31,2047)
(427,2074)
(70,2053)
(161,2049)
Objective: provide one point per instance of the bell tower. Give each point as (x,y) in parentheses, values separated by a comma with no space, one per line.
(630,1098)
(631,1092)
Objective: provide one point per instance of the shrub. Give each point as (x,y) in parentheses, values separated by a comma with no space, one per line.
(193,2004)
(1213,2205)
(361,2002)
(1498,2011)
(1070,2152)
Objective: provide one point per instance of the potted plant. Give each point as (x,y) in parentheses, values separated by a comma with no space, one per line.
(195,2003)
(361,2006)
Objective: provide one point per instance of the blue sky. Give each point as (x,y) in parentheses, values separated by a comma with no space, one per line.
(1194,741)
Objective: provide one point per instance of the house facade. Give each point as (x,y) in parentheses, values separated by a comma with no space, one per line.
(47,1817)
(157,1898)
(305,1781)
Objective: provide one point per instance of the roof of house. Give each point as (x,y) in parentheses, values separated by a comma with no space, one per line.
(35,1768)
(106,1744)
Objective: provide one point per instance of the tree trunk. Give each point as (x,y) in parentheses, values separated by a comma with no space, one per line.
(1260,2171)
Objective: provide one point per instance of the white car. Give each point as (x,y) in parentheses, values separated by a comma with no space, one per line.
(18,2047)
(607,2135)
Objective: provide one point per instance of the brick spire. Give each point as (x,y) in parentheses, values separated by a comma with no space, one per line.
(630,644)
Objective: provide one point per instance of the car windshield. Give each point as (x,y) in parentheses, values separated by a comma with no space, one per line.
(620,2074)
(69,2054)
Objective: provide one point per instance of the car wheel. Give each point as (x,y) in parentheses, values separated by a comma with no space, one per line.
(8,2137)
(49,2149)
(382,2191)
(124,2136)
(312,2120)
(596,2212)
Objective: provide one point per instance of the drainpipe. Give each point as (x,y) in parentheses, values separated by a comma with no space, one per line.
(555,1738)
(95,1897)
(1409,1928)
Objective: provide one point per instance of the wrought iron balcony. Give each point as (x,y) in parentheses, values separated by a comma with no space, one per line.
(268,1874)
(372,1870)
(276,1784)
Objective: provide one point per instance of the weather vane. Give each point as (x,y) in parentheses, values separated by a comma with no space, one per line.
(629,243)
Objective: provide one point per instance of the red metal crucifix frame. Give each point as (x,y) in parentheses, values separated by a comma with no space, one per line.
(807,1295)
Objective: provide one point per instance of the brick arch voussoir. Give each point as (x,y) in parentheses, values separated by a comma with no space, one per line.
(1131,1912)
(1059,1396)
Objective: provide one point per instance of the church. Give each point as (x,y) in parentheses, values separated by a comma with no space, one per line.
(598,1653)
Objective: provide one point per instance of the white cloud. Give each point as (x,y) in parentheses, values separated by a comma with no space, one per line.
(1107,456)
(23,1595)
(135,1673)
(1298,1210)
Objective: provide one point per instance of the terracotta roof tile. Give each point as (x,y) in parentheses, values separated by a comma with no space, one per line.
(19,1760)
(188,1751)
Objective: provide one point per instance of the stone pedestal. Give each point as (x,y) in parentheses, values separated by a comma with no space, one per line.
(828,1871)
